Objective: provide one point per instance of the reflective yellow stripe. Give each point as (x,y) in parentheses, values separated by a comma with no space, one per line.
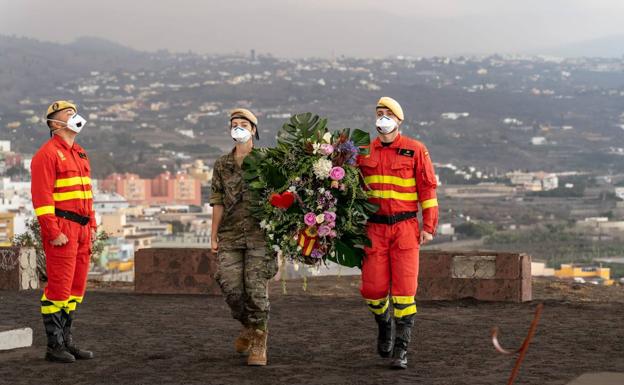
(395,180)
(429,203)
(71,307)
(74,181)
(403,300)
(55,307)
(65,196)
(75,298)
(51,309)
(374,303)
(43,210)
(398,313)
(391,194)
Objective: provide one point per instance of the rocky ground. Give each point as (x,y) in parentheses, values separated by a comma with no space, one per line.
(321,335)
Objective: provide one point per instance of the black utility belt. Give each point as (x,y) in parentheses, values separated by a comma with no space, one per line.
(72,216)
(392,219)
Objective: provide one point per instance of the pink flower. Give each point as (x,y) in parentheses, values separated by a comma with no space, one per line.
(342,187)
(330,216)
(333,234)
(323,231)
(337,173)
(326,149)
(331,224)
(310,219)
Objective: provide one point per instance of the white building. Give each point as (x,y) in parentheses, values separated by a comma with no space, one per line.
(5,146)
(106,203)
(534,181)
(454,115)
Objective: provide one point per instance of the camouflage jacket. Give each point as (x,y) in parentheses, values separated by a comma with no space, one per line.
(238,228)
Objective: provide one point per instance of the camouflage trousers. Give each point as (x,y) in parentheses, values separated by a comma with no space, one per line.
(243,275)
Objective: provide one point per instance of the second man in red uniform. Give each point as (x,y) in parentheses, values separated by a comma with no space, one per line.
(399,176)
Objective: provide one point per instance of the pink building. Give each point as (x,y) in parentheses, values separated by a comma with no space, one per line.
(165,189)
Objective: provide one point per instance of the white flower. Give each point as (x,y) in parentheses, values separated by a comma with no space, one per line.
(296,266)
(263,224)
(316,148)
(321,190)
(292,188)
(276,248)
(320,218)
(322,167)
(271,236)
(327,137)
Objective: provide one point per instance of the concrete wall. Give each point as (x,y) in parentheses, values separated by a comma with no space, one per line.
(175,271)
(488,276)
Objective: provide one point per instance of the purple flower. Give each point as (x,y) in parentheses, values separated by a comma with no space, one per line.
(324,231)
(316,254)
(350,151)
(337,173)
(326,149)
(310,219)
(330,216)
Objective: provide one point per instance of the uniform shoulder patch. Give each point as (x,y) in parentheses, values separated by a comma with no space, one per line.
(406,152)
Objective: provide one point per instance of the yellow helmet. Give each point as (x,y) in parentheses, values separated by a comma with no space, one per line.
(60,105)
(392,105)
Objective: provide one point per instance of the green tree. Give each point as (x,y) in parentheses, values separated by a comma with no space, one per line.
(476,229)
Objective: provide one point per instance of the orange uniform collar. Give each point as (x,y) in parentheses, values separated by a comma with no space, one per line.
(395,144)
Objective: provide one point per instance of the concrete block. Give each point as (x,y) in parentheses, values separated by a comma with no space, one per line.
(491,276)
(175,271)
(435,264)
(16,338)
(474,266)
(18,268)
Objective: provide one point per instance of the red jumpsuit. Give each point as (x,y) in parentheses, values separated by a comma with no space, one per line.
(398,177)
(61,181)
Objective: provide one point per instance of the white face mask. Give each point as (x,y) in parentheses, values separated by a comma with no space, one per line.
(385,124)
(76,123)
(240,135)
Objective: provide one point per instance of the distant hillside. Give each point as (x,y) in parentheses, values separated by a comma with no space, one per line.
(29,67)
(610,46)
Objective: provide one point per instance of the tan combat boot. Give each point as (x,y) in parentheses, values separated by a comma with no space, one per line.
(243,341)
(258,351)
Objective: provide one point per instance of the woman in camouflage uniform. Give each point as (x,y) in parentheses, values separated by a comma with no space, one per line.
(245,267)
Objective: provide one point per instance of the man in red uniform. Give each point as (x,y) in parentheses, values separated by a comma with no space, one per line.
(399,176)
(63,202)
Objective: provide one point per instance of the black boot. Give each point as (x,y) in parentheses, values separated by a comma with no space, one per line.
(56,350)
(385,338)
(403,336)
(69,339)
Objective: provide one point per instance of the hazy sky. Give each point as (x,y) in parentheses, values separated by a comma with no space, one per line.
(320,27)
